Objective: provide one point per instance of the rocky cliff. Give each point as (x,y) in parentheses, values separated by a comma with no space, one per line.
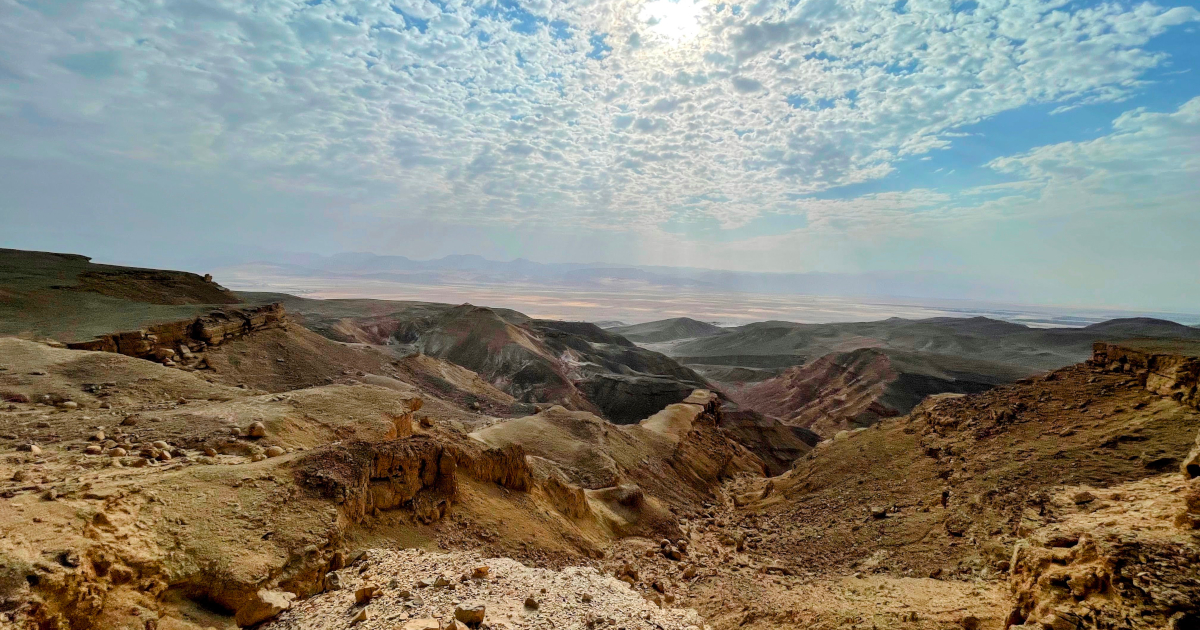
(182,342)
(1166,367)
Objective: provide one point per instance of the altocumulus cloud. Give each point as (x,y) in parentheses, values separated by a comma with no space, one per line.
(581,112)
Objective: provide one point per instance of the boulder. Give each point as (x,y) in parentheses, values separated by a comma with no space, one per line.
(470,613)
(1191,464)
(365,594)
(265,605)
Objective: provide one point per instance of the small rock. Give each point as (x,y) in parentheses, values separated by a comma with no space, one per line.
(160,445)
(265,605)
(479,573)
(68,405)
(531,603)
(441,581)
(422,624)
(365,594)
(210,451)
(1081,498)
(129,421)
(257,430)
(141,462)
(32,449)
(470,613)
(970,622)
(586,598)
(92,449)
(98,436)
(333,581)
(275,451)
(20,475)
(257,457)
(117,452)
(362,616)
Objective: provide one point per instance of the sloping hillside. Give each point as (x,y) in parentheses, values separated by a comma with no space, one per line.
(770,344)
(69,298)
(858,388)
(574,364)
(667,330)
(1071,479)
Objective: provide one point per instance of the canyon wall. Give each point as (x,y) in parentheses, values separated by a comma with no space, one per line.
(179,342)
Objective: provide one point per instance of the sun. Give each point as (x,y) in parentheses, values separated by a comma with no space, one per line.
(673,20)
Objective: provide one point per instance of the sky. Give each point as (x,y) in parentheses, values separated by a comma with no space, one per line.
(1049,147)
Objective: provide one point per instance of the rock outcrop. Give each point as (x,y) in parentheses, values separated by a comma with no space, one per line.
(1126,569)
(1166,367)
(183,342)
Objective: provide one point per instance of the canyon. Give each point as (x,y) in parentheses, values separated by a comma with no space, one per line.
(264,460)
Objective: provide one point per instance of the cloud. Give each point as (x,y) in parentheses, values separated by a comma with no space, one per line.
(507,114)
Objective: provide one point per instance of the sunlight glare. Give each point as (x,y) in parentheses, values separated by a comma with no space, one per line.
(673,20)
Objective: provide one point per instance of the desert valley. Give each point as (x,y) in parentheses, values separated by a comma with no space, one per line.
(175,455)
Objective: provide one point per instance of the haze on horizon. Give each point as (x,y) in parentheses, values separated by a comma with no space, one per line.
(1046,148)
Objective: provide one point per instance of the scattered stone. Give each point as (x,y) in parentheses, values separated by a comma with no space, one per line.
(129,421)
(480,573)
(257,430)
(1083,497)
(98,436)
(210,451)
(92,449)
(117,452)
(470,613)
(275,451)
(68,405)
(257,457)
(32,449)
(531,603)
(427,623)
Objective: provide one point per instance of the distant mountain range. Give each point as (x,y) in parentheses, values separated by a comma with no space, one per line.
(472,268)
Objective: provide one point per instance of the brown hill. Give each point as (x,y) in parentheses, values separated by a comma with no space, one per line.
(574,364)
(858,388)
(1055,502)
(181,497)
